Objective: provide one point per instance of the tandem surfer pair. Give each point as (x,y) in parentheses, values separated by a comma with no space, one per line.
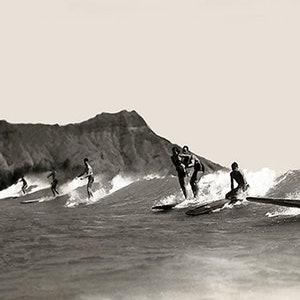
(189,165)
(87,173)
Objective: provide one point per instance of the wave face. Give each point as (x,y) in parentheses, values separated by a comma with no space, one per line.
(116,247)
(286,186)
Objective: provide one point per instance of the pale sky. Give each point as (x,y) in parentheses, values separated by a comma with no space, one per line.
(220,76)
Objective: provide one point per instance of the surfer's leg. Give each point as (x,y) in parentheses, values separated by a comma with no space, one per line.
(232,194)
(54,186)
(194,182)
(182,185)
(89,187)
(52,189)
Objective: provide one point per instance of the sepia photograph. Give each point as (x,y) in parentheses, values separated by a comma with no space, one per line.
(149,150)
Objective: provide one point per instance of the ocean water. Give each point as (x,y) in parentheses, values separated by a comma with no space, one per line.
(117,247)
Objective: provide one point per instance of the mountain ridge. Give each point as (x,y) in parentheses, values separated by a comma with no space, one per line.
(114,143)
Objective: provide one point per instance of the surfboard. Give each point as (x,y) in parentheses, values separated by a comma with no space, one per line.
(42,199)
(164,206)
(276,201)
(207,208)
(30,201)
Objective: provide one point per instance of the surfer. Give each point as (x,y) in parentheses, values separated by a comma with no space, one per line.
(192,161)
(88,173)
(238,176)
(25,185)
(54,181)
(180,168)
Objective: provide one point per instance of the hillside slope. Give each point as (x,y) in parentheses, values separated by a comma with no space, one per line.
(114,143)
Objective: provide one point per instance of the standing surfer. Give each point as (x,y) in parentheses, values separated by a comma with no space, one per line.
(180,168)
(88,173)
(54,181)
(238,176)
(25,185)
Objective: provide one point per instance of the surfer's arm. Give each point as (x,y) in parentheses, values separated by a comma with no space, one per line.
(182,165)
(88,172)
(81,174)
(232,182)
(244,178)
(87,175)
(191,162)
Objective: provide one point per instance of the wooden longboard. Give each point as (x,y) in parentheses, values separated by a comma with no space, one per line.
(207,208)
(30,201)
(276,201)
(164,206)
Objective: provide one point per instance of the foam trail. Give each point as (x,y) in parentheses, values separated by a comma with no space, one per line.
(77,198)
(153,176)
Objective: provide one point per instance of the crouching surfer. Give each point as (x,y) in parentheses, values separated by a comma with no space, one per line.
(238,176)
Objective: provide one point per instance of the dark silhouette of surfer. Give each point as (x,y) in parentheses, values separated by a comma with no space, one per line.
(54,182)
(192,161)
(180,168)
(88,173)
(236,175)
(25,185)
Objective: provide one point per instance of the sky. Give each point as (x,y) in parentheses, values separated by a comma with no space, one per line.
(221,76)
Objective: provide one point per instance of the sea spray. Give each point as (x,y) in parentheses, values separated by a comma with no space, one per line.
(77,197)
(120,181)
(260,182)
(71,186)
(214,186)
(78,194)
(12,191)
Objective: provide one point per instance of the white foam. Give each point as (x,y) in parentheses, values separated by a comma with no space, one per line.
(288,211)
(170,199)
(260,182)
(12,191)
(75,198)
(38,181)
(71,185)
(214,186)
(153,176)
(119,182)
